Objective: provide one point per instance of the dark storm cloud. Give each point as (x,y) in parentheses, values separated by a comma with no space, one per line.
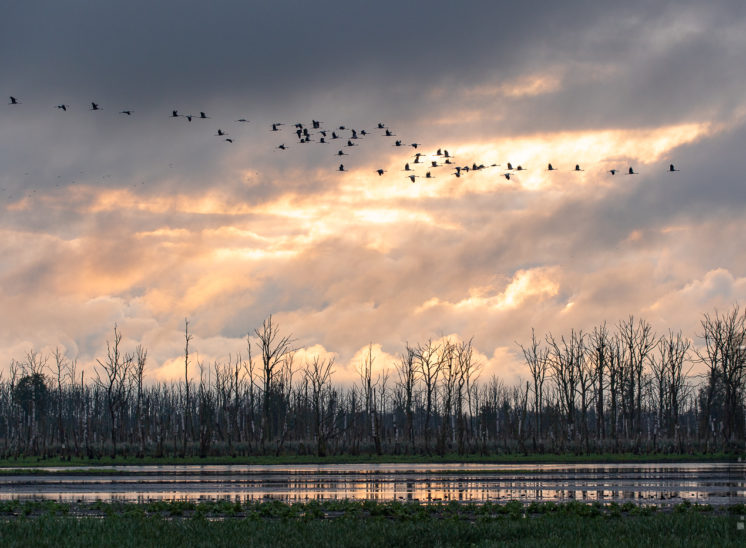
(190,53)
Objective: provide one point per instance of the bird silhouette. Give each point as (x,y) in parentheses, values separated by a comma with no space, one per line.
(397,143)
(510,166)
(577,168)
(551,168)
(428,175)
(434,163)
(229,139)
(671,168)
(221,133)
(174,114)
(189,117)
(381,126)
(413,177)
(414,145)
(282,147)
(275,126)
(507,176)
(341,153)
(95,106)
(380,172)
(389,134)
(632,172)
(203,116)
(341,167)
(242,120)
(127,112)
(520,168)
(350,143)
(316,124)
(406,167)
(63,107)
(14,101)
(613,171)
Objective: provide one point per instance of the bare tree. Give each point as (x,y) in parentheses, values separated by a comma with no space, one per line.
(600,356)
(368,389)
(272,350)
(60,372)
(138,372)
(429,364)
(638,340)
(537,359)
(318,374)
(406,369)
(112,375)
(724,354)
(565,360)
(187,406)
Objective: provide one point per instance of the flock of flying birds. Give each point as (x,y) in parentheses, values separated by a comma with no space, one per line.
(349,137)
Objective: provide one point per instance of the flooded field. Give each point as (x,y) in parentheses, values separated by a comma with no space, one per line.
(713,483)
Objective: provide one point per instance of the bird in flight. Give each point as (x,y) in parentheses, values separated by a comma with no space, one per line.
(632,172)
(174,114)
(551,168)
(14,101)
(242,120)
(341,167)
(220,133)
(282,147)
(127,112)
(613,171)
(95,106)
(203,116)
(577,168)
(380,172)
(63,107)
(671,168)
(413,177)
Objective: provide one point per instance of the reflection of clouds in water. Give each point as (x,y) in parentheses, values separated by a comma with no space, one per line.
(716,484)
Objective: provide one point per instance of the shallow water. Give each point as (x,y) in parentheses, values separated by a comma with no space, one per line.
(713,483)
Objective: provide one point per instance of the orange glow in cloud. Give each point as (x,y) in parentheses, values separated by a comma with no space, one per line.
(538,282)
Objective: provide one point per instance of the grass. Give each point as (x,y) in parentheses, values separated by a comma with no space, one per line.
(31,462)
(366,523)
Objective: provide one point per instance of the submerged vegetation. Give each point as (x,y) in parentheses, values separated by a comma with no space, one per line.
(613,391)
(358,523)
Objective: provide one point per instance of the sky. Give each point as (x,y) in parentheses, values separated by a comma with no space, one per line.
(144,220)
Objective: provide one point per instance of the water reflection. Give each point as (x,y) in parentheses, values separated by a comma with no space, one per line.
(713,483)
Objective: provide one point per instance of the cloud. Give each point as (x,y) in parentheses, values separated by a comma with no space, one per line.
(144,220)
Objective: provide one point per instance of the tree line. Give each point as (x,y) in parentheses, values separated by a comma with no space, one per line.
(614,388)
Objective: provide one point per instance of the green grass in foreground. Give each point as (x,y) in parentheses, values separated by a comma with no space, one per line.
(366,523)
(372,459)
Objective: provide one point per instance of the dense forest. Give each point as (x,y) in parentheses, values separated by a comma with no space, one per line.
(615,388)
